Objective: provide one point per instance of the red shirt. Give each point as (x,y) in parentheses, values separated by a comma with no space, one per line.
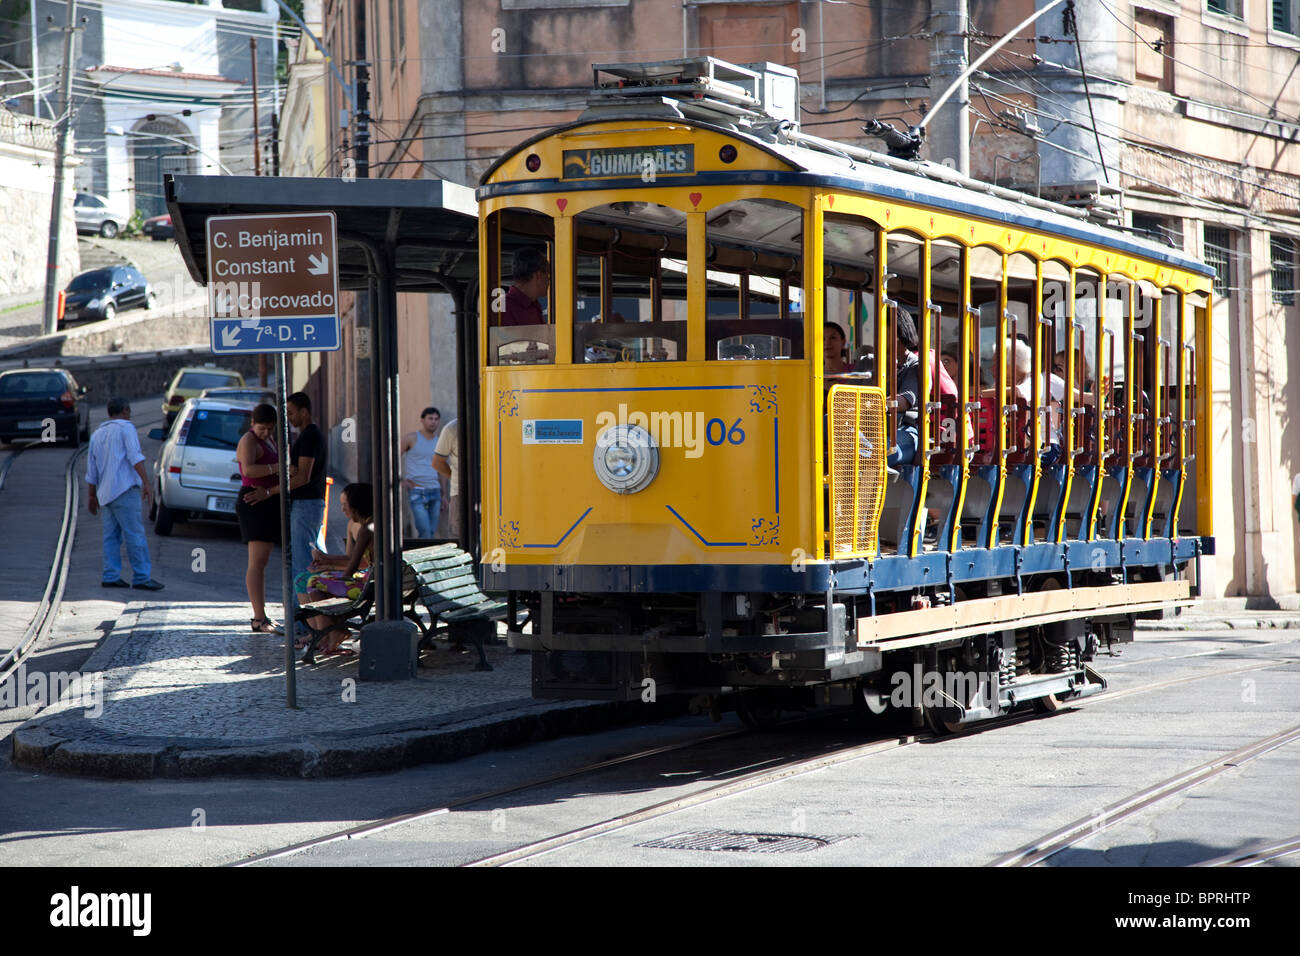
(521,310)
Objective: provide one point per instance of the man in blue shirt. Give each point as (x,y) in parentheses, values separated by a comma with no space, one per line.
(114,469)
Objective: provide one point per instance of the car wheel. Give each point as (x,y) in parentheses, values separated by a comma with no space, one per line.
(108,229)
(162,521)
(110,311)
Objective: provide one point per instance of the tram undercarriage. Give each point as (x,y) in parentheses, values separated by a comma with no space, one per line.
(985,655)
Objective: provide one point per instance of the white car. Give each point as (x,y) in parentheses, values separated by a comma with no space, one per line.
(197,473)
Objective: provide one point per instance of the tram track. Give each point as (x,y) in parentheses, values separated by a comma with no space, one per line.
(47,608)
(798,766)
(1086,827)
(1257,854)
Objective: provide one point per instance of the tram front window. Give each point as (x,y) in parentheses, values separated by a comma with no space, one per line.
(629,284)
(754,290)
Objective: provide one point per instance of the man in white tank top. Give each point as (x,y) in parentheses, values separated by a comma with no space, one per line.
(423,486)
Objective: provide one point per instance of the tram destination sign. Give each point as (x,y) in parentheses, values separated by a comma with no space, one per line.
(273,283)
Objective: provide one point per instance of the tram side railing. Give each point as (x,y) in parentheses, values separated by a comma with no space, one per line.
(856,462)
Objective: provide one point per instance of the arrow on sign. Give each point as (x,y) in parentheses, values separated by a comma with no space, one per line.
(319,265)
(230,337)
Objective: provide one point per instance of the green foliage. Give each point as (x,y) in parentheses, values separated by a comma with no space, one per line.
(134,227)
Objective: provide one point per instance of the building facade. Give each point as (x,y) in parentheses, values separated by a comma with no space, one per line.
(159,86)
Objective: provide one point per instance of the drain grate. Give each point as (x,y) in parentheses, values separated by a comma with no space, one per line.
(734,842)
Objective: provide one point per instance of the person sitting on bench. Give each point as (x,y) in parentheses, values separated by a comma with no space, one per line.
(340,576)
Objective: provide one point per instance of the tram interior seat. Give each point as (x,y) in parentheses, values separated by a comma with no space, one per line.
(717,330)
(521,345)
(628,341)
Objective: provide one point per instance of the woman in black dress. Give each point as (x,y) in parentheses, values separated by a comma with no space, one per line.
(258,509)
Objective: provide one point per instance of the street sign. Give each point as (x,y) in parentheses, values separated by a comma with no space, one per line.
(273,283)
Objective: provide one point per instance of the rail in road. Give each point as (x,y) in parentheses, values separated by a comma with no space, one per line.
(736,779)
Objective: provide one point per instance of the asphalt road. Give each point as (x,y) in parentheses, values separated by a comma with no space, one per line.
(957,801)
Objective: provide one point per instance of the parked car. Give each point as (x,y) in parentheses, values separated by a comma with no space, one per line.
(30,397)
(248,394)
(93,215)
(197,474)
(192,380)
(102,293)
(159,227)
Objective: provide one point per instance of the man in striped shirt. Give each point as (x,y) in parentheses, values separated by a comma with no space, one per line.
(114,469)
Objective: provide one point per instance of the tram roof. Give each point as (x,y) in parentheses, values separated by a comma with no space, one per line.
(431,224)
(918,183)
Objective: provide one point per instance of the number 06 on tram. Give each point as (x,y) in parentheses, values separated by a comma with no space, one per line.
(775,419)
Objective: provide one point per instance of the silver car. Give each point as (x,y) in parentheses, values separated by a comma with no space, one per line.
(93,215)
(197,473)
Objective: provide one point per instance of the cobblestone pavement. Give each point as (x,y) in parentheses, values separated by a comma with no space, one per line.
(187,690)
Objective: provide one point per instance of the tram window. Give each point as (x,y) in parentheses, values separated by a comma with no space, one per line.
(521,274)
(849,266)
(1085,317)
(629,284)
(754,284)
(1119,295)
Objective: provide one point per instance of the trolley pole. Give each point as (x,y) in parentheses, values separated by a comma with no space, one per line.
(63,120)
(949,57)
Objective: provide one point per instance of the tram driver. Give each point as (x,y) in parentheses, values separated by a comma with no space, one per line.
(532,277)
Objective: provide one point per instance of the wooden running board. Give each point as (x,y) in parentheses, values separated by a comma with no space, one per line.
(1014,611)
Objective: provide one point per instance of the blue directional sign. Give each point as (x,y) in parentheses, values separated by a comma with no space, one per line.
(289,334)
(273,283)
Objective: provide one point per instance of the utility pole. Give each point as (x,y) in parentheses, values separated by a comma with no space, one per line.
(257,129)
(64,120)
(367,309)
(949,56)
(361,146)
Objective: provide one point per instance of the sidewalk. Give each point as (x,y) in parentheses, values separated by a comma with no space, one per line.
(189,691)
(1231,614)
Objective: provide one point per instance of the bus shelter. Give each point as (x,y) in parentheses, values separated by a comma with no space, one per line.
(394,235)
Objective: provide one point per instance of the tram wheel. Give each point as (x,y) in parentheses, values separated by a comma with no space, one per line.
(938,726)
(759,709)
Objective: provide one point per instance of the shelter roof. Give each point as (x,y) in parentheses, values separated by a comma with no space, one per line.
(431,225)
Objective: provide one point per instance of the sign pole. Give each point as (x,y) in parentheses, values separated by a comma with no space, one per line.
(286,546)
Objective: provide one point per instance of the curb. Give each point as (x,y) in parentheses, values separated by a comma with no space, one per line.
(1222,624)
(384,748)
(37,748)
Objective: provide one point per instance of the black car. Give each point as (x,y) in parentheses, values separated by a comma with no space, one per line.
(43,404)
(102,293)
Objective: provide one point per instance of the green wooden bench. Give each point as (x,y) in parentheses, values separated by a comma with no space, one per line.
(449,591)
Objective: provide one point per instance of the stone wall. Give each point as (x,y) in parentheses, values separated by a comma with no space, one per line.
(135,331)
(26,185)
(138,375)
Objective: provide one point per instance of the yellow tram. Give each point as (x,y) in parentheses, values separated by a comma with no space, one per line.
(691,496)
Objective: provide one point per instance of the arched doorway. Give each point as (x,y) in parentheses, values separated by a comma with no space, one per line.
(159,146)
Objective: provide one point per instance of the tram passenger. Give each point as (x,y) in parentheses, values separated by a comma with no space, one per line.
(342,576)
(833,355)
(532,277)
(909,386)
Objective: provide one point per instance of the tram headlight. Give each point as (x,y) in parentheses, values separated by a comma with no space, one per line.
(626,459)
